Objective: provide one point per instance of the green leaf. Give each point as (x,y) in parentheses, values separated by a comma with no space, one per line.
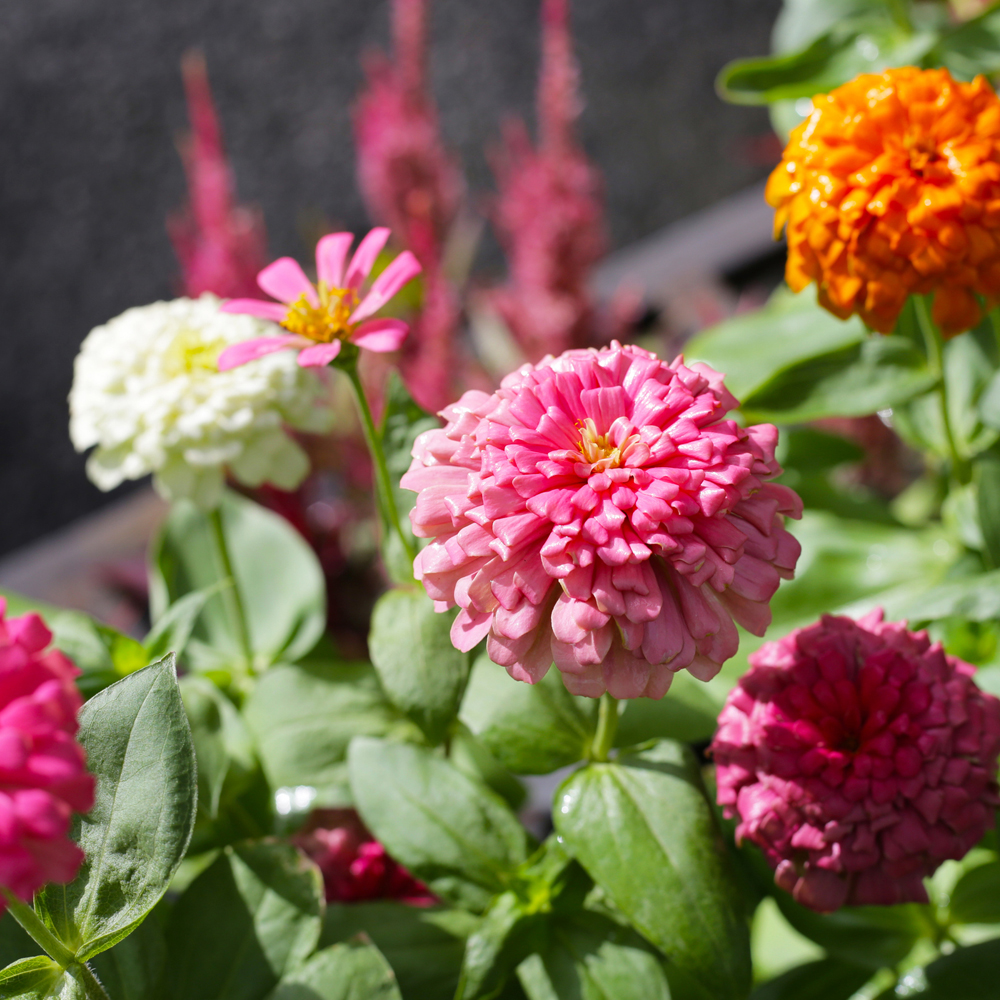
(973,47)
(247,920)
(422,673)
(139,748)
(987,471)
(172,630)
(402,421)
(511,929)
(687,714)
(303,717)
(14,941)
(590,957)
(278,578)
(825,979)
(976,598)
(424,946)
(646,834)
(755,347)
(877,374)
(968,369)
(29,977)
(471,757)
(976,897)
(966,974)
(222,744)
(354,970)
(450,831)
(134,969)
(529,728)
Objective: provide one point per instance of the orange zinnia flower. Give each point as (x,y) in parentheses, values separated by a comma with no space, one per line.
(891,187)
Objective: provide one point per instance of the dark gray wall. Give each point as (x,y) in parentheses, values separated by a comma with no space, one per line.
(90,102)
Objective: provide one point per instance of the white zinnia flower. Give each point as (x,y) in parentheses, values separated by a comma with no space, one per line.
(147,391)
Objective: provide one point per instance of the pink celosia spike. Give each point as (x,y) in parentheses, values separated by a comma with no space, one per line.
(381,335)
(331,255)
(858,757)
(249,350)
(403,269)
(220,245)
(365,256)
(285,281)
(319,355)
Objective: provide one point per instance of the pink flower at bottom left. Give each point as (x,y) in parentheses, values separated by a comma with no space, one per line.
(43,776)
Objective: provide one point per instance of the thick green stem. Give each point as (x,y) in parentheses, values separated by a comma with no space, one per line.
(935,357)
(53,947)
(383,482)
(607,726)
(231,594)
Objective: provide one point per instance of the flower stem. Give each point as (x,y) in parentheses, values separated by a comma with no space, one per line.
(383,481)
(899,11)
(231,594)
(935,358)
(607,726)
(53,947)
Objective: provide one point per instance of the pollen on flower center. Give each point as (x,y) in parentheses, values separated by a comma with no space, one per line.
(327,321)
(599,450)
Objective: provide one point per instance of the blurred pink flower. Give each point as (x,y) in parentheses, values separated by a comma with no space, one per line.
(858,757)
(411,183)
(220,245)
(319,318)
(43,777)
(616,475)
(548,214)
(355,866)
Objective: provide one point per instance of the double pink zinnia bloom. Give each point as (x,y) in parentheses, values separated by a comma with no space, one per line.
(321,317)
(43,779)
(615,476)
(858,757)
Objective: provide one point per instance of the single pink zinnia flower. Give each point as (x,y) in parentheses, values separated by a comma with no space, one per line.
(43,779)
(355,866)
(616,475)
(858,757)
(321,317)
(219,243)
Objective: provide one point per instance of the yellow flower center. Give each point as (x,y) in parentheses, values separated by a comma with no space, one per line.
(189,353)
(598,451)
(326,322)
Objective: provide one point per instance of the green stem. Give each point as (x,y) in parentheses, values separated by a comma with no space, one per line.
(899,10)
(607,726)
(231,594)
(382,478)
(53,947)
(935,358)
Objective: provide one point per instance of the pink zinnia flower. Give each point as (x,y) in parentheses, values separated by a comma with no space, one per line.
(616,475)
(219,243)
(355,866)
(321,317)
(858,757)
(43,779)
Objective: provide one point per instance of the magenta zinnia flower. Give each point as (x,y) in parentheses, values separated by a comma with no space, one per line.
(616,475)
(858,756)
(320,317)
(355,866)
(43,780)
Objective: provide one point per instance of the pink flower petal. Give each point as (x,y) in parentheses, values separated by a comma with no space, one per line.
(381,335)
(403,269)
(365,256)
(249,350)
(285,281)
(331,253)
(255,307)
(319,355)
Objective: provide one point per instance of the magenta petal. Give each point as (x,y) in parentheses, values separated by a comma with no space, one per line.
(331,253)
(319,354)
(255,307)
(365,256)
(249,350)
(381,335)
(403,269)
(285,281)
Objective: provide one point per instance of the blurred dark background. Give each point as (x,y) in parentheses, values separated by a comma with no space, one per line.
(91,104)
